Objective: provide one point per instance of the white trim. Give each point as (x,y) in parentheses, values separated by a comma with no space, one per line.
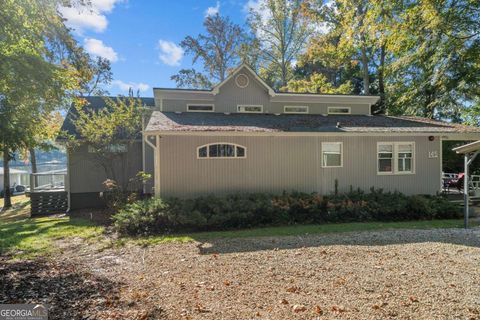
(221,158)
(249,105)
(216,89)
(201,105)
(339,113)
(395,145)
(341,154)
(295,112)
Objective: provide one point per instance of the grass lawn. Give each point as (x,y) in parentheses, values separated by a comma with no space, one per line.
(35,237)
(16,200)
(301,230)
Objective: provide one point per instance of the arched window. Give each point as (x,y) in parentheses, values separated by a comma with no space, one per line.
(221,150)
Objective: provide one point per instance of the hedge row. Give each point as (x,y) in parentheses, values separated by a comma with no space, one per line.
(158,216)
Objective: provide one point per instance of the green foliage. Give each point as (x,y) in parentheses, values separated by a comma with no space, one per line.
(153,216)
(109,133)
(317,83)
(282,33)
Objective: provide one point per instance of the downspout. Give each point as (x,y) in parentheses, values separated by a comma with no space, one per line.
(156,166)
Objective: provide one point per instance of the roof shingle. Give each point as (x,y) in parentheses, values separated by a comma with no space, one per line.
(235,122)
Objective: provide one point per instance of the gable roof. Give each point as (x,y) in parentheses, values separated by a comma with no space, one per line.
(269,89)
(95,103)
(164,122)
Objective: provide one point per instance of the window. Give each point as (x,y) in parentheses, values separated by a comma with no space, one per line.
(339,110)
(405,156)
(395,157)
(221,150)
(250,109)
(332,154)
(295,109)
(200,107)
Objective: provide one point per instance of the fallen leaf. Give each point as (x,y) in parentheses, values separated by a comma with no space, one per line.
(299,308)
(283,301)
(318,310)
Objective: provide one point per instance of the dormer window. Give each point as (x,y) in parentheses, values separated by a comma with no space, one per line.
(249,108)
(339,110)
(295,109)
(200,107)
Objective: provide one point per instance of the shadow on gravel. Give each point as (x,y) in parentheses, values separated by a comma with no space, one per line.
(470,238)
(68,292)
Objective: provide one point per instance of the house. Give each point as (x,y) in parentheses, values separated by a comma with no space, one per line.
(17,177)
(243,136)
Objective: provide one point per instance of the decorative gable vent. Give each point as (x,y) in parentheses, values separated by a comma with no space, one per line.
(242,80)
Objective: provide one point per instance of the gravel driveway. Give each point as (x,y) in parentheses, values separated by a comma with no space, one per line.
(401,274)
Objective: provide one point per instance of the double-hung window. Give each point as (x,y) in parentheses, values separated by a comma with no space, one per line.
(332,154)
(395,157)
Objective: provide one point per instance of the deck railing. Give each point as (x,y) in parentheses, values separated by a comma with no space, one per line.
(48,181)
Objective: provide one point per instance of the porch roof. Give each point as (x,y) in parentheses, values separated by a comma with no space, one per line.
(237,122)
(467,148)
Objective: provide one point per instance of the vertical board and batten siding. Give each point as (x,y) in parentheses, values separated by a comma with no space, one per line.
(278,163)
(87,176)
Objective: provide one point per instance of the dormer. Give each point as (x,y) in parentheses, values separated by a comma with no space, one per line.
(243,91)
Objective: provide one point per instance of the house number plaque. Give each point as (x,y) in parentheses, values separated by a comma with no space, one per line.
(432,154)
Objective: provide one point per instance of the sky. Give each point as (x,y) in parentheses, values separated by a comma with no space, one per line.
(141,37)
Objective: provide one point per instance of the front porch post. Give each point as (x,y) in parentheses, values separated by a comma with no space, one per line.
(465,192)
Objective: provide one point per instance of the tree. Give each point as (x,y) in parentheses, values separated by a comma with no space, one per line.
(282,32)
(109,133)
(217,50)
(41,63)
(317,83)
(189,78)
(436,72)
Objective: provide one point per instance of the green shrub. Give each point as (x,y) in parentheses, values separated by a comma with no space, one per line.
(153,215)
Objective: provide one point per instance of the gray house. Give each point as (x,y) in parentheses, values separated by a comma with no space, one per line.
(242,136)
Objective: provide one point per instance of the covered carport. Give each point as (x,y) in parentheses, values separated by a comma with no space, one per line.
(469,152)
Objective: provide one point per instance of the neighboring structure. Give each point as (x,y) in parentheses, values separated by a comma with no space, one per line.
(17,177)
(242,136)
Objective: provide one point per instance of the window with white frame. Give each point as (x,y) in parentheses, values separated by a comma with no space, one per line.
(250,108)
(200,107)
(332,154)
(295,109)
(395,157)
(339,110)
(221,150)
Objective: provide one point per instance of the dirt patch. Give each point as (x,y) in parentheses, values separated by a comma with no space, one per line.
(70,293)
(401,274)
(98,216)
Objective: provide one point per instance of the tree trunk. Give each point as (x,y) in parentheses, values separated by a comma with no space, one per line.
(366,79)
(33,161)
(381,80)
(7,201)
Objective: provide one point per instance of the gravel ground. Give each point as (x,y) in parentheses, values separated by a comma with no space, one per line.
(401,274)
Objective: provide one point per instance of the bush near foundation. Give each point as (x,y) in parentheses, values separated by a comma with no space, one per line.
(239,211)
